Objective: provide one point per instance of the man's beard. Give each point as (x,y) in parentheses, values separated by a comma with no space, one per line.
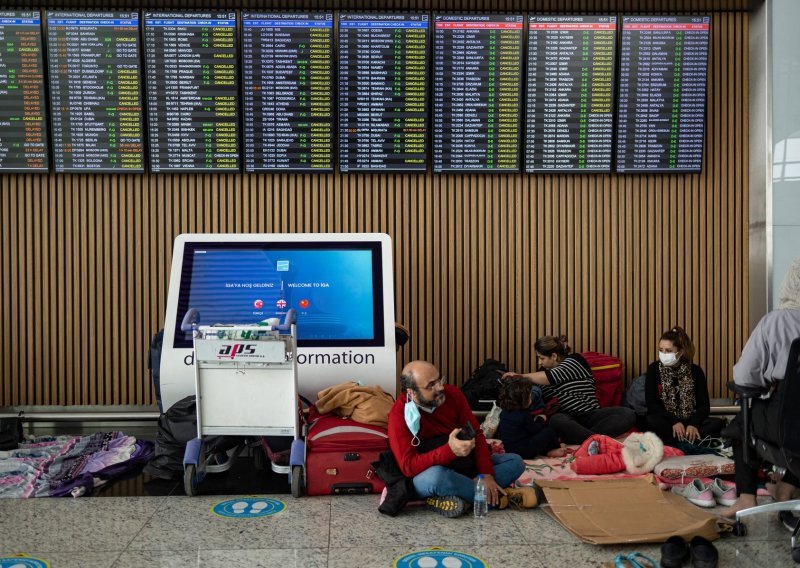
(434,402)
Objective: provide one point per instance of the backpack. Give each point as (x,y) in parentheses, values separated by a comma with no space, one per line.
(484,384)
(176,427)
(607,373)
(634,395)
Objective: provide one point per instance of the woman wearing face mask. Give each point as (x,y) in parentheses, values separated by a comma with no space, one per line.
(676,392)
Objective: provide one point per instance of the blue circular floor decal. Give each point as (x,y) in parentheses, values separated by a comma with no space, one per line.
(23,562)
(438,558)
(248,507)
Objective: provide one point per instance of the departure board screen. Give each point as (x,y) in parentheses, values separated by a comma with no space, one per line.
(569,107)
(662,93)
(383,92)
(23,116)
(192,83)
(287,76)
(477,96)
(95,91)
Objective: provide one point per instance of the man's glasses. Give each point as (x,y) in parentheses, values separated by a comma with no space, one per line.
(433,384)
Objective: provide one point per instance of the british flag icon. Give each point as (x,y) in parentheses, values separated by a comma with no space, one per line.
(281,303)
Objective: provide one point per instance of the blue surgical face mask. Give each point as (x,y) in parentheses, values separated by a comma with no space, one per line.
(412,419)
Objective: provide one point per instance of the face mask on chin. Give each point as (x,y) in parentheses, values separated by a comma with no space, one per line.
(412,417)
(668,359)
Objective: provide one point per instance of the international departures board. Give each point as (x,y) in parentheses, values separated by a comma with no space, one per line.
(192,88)
(383,92)
(95,91)
(570,93)
(477,92)
(287,84)
(662,93)
(23,116)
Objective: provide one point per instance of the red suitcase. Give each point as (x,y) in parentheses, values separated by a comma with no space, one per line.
(607,373)
(339,456)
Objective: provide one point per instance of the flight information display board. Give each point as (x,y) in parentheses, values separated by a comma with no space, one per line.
(23,116)
(192,83)
(477,96)
(662,93)
(383,90)
(95,91)
(287,76)
(570,107)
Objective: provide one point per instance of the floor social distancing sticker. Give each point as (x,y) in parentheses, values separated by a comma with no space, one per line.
(248,507)
(23,561)
(438,558)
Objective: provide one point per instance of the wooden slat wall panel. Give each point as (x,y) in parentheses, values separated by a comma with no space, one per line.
(483,263)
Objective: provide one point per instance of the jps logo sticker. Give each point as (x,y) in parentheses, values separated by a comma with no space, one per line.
(231,351)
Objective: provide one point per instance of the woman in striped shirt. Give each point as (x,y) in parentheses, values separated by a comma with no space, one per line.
(566,377)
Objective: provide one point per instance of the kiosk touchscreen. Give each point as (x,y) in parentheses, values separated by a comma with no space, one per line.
(339,284)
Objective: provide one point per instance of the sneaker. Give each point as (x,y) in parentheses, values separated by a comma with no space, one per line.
(789,520)
(697,492)
(519,498)
(724,492)
(449,506)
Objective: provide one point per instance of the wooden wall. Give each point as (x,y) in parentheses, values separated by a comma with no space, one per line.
(483,263)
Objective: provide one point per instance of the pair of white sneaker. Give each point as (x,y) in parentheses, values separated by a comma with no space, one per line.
(708,494)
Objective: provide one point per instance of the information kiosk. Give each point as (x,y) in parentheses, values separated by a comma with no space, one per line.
(340,285)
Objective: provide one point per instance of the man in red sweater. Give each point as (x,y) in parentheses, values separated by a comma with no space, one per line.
(441,466)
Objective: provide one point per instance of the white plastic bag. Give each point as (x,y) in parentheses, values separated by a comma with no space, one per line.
(492,421)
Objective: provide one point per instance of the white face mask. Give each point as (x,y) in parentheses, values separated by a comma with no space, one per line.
(668,359)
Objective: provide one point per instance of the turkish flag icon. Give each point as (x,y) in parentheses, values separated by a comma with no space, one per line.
(304,303)
(258,304)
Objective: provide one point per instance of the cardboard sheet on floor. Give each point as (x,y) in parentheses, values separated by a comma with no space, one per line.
(614,511)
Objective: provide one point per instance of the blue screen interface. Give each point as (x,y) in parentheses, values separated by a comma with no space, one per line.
(336,291)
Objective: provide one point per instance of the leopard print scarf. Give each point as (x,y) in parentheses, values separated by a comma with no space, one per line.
(677,390)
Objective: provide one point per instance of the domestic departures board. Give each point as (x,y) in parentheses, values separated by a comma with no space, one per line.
(95,91)
(192,87)
(23,114)
(662,93)
(477,95)
(383,92)
(287,84)
(570,106)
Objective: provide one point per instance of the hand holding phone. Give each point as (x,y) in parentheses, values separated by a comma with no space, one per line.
(467,432)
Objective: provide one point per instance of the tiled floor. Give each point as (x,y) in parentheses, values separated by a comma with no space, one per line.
(163,528)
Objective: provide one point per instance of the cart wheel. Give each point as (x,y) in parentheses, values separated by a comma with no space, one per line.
(297,481)
(739,529)
(796,554)
(190,480)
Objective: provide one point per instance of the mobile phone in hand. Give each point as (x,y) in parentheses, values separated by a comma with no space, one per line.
(467,432)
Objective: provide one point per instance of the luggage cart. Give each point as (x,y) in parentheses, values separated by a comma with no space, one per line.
(246,385)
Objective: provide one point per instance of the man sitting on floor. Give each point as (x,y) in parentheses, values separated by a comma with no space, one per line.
(423,425)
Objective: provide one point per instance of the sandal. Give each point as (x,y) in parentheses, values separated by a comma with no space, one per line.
(634,560)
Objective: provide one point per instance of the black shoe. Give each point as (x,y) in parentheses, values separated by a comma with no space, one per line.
(704,554)
(674,552)
(449,506)
(789,520)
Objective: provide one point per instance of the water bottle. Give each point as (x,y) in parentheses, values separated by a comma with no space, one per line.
(479,505)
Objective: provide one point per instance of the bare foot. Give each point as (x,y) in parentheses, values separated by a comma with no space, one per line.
(558,452)
(783,491)
(745,501)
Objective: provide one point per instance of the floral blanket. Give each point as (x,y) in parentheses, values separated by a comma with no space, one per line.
(56,466)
